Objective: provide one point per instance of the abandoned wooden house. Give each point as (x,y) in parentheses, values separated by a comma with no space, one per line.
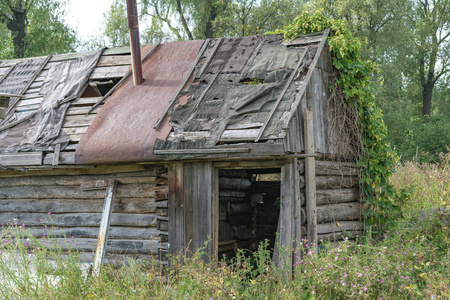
(227,141)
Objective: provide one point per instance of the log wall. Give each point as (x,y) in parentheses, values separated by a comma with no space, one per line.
(71,205)
(337,198)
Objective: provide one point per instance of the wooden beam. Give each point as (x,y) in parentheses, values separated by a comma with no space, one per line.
(104,227)
(176,208)
(55,160)
(21,159)
(201,151)
(310,178)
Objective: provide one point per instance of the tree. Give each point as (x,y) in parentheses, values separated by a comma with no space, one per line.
(252,17)
(432,44)
(36,27)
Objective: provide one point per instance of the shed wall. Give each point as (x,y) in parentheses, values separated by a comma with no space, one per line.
(139,221)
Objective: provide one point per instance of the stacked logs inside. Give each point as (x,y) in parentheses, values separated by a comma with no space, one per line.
(235,211)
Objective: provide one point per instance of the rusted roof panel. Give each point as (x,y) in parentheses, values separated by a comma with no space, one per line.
(123,129)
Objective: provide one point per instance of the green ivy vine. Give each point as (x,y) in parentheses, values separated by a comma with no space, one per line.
(382,205)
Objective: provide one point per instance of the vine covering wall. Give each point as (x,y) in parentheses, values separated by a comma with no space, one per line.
(376,157)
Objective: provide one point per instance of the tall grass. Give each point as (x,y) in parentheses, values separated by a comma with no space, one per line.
(411,261)
(429,183)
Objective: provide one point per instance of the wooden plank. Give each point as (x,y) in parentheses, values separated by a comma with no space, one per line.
(73,192)
(21,159)
(176,208)
(109,72)
(55,160)
(339,212)
(281,95)
(104,227)
(78,121)
(200,151)
(85,101)
(121,205)
(64,158)
(215,215)
(75,170)
(248,164)
(115,232)
(304,40)
(82,219)
(310,178)
(113,246)
(339,227)
(82,110)
(285,221)
(297,207)
(335,196)
(114,60)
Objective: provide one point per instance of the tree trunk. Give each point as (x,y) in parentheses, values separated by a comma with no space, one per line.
(427,94)
(209,30)
(18,27)
(183,21)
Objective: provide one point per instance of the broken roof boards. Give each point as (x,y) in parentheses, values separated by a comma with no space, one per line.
(239,101)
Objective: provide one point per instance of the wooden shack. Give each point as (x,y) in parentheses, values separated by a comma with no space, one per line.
(227,142)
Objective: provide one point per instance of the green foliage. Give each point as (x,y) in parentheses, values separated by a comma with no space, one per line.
(355,81)
(427,181)
(250,17)
(41,25)
(47,32)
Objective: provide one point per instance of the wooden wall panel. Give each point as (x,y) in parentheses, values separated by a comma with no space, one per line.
(75,206)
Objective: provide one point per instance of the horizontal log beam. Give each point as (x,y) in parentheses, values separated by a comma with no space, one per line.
(121,205)
(80,219)
(67,192)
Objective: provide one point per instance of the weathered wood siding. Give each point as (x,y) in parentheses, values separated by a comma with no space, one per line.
(71,205)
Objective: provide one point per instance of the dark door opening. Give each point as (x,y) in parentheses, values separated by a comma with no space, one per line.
(249,209)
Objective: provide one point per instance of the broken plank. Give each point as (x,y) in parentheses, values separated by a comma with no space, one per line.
(65,158)
(78,120)
(21,159)
(72,111)
(109,72)
(114,60)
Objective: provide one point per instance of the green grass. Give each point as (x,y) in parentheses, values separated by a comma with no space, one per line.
(410,261)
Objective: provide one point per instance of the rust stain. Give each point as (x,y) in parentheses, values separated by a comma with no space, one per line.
(123,129)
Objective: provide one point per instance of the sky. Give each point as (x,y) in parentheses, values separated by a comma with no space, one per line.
(86,16)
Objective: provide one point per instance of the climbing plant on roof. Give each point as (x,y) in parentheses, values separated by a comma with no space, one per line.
(376,157)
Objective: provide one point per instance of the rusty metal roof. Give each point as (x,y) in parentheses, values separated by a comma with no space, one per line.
(123,129)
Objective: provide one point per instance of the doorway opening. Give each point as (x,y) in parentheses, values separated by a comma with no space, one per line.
(249,209)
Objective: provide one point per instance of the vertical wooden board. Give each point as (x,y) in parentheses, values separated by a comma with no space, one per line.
(310,178)
(286,205)
(215,214)
(188,206)
(198,183)
(176,208)
(297,215)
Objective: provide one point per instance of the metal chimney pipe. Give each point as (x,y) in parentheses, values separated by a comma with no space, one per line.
(133,26)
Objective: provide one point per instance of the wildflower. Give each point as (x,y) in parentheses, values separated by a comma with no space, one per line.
(49,213)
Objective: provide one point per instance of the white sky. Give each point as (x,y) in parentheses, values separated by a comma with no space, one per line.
(86,16)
